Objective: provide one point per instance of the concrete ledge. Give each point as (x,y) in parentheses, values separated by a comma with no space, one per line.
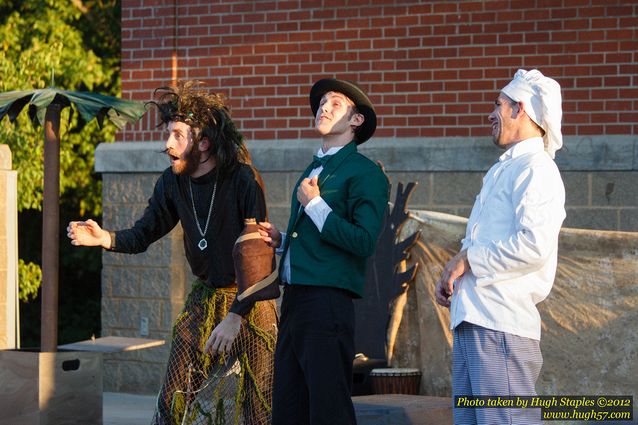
(599,153)
(400,409)
(580,153)
(130,157)
(128,409)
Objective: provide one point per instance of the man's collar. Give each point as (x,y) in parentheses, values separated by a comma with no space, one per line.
(333,150)
(533,144)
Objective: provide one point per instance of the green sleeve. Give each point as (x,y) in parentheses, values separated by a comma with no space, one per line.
(366,203)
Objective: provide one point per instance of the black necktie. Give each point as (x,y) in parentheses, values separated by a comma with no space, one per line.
(320,161)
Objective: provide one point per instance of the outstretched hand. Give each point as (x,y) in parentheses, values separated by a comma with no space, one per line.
(88,233)
(454,269)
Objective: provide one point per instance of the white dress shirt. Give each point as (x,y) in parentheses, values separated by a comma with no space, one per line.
(512,243)
(317,209)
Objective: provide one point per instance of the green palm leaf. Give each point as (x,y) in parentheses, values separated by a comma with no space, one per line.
(89,105)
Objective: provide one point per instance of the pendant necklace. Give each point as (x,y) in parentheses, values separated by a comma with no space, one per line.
(202,243)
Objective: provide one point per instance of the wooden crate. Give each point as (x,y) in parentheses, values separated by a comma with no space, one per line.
(63,388)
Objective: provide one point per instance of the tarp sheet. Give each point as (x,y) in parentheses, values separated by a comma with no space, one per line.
(590,319)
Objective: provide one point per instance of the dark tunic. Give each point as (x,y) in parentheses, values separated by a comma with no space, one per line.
(238,196)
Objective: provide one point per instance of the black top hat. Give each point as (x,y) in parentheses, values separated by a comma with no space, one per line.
(354,93)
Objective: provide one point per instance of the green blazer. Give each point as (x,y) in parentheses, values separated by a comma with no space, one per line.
(356,190)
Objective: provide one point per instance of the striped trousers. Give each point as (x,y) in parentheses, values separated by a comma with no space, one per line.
(491,363)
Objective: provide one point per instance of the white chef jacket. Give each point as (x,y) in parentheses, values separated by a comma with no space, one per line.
(512,243)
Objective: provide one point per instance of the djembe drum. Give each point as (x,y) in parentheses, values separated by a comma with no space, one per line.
(395,381)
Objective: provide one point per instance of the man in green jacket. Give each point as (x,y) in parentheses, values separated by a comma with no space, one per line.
(335,219)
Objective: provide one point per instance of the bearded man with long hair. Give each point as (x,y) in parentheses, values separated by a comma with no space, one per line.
(221,357)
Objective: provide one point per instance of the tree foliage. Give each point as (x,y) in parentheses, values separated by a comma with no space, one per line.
(29,276)
(73,45)
(42,40)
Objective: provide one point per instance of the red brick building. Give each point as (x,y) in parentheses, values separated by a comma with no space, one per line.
(432,68)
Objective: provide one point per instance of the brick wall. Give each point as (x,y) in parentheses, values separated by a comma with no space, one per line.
(432,68)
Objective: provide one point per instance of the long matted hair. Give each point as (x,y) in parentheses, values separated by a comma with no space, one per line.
(208,116)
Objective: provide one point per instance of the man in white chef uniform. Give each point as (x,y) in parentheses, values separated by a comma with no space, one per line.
(508,257)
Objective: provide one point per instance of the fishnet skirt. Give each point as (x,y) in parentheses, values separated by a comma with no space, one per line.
(231,388)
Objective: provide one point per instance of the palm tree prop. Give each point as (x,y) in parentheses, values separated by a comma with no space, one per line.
(45,106)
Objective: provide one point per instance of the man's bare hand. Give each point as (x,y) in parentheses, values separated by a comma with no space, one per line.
(224,334)
(308,190)
(454,269)
(270,234)
(88,233)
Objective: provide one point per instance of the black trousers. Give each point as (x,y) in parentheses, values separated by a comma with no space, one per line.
(313,358)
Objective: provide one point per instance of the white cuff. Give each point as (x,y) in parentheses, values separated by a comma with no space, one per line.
(318,211)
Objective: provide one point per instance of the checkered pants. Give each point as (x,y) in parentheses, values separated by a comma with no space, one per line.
(486,362)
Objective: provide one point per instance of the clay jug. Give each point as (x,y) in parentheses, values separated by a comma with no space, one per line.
(255,266)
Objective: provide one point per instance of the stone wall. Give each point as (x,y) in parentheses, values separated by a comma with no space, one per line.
(150,286)
(599,175)
(8,250)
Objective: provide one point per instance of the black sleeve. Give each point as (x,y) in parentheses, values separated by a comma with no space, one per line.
(252,201)
(159,218)
(252,204)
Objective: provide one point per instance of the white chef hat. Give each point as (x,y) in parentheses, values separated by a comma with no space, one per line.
(543,104)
